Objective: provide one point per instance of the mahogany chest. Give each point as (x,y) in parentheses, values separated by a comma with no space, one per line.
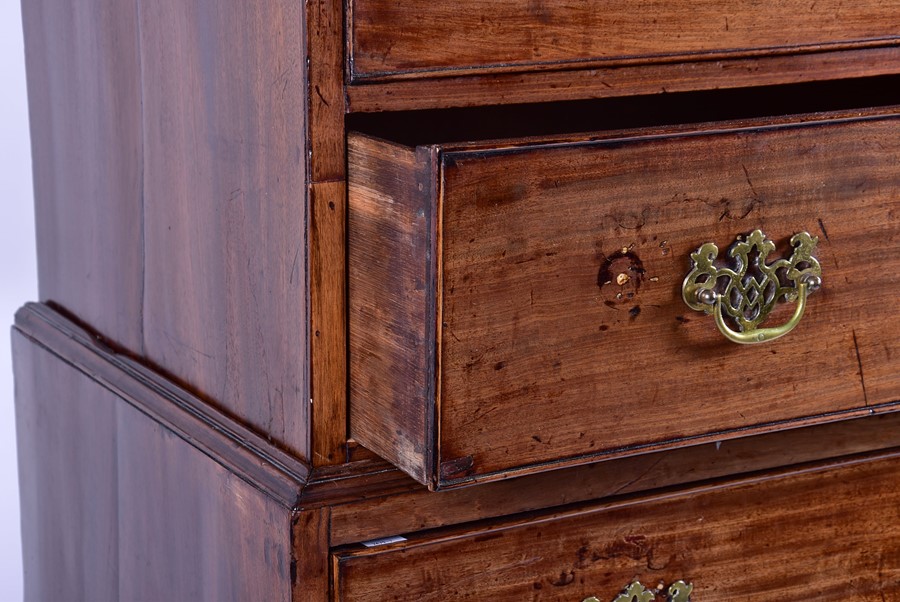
(511,300)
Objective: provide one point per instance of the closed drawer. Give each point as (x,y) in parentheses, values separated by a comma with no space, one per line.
(418,38)
(824,534)
(516,306)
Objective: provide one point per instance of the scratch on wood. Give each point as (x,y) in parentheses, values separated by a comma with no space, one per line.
(862,379)
(747,175)
(177,342)
(294,267)
(822,228)
(321,97)
(638,478)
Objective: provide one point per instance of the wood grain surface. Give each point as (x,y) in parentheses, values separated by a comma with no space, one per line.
(252,457)
(70,542)
(187,127)
(801,535)
(225,304)
(465,89)
(326,101)
(392,337)
(418,37)
(127,496)
(84,91)
(545,358)
(176,505)
(378,503)
(325,144)
(311,544)
(328,321)
(175,472)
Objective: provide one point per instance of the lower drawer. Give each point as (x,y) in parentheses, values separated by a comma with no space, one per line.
(823,533)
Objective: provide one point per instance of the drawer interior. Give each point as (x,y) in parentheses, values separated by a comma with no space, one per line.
(515,305)
(551,119)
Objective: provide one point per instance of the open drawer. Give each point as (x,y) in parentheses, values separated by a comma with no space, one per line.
(517,305)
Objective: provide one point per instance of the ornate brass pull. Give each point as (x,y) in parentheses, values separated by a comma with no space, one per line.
(747,293)
(635,592)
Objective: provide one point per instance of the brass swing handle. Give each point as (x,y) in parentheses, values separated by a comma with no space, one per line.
(760,335)
(635,592)
(746,293)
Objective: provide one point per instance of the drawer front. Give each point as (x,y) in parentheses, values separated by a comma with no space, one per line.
(557,286)
(830,534)
(390,39)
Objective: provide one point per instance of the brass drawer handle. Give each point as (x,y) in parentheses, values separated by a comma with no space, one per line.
(748,292)
(635,592)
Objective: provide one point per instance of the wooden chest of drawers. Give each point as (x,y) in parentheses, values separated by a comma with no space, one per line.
(387,301)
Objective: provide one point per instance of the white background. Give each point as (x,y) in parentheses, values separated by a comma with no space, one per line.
(18,275)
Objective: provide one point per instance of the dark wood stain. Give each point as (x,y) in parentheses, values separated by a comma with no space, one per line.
(195,506)
(244,453)
(311,542)
(360,505)
(620,278)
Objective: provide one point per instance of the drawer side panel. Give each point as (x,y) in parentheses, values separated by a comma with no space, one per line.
(392,302)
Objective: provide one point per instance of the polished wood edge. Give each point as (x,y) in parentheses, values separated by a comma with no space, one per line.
(328,320)
(393,503)
(326,254)
(326,99)
(434,274)
(238,449)
(311,576)
(757,429)
(627,80)
(357,481)
(460,531)
(612,62)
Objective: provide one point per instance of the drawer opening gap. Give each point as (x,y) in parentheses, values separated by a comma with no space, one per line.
(414,128)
